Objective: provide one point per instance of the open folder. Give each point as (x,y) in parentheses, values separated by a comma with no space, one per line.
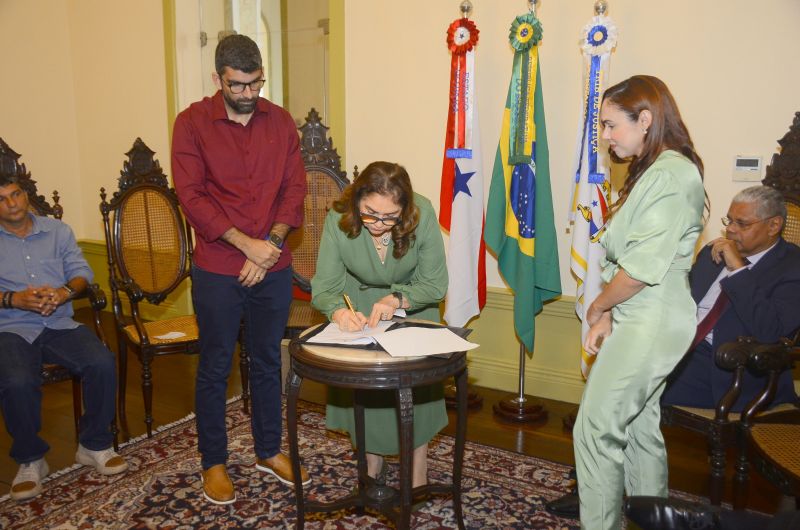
(398,339)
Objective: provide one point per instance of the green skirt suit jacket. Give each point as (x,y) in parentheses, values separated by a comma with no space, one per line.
(352,266)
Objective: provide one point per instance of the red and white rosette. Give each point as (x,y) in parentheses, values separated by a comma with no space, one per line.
(462,36)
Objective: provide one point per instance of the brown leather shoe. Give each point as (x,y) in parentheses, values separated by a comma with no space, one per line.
(217,487)
(281,467)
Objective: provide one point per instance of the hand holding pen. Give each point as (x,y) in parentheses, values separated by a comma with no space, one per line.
(348,319)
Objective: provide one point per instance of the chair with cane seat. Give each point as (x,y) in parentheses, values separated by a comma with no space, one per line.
(149,246)
(54,373)
(325,181)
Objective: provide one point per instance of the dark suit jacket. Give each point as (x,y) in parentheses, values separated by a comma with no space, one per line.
(764,303)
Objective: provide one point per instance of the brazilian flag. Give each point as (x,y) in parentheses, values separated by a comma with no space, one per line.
(519,215)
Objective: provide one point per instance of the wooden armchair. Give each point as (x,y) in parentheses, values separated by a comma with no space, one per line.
(325,181)
(149,248)
(54,373)
(721,428)
(769,442)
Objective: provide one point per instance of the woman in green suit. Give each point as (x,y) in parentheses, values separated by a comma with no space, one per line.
(381,245)
(644,319)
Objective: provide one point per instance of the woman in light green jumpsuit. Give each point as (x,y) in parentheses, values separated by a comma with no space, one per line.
(644,319)
(381,245)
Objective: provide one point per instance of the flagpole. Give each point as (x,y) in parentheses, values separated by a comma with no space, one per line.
(520,408)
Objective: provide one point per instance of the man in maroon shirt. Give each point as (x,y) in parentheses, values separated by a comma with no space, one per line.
(241,182)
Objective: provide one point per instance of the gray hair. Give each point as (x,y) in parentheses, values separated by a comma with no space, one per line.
(769,201)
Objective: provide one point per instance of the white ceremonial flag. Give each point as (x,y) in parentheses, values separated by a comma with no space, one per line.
(592,191)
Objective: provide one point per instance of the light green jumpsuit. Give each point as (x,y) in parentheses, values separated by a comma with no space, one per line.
(617,437)
(352,266)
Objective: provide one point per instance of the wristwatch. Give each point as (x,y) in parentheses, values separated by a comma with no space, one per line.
(70,290)
(399,296)
(276,240)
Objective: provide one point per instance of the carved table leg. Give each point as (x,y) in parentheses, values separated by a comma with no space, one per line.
(405,402)
(292,391)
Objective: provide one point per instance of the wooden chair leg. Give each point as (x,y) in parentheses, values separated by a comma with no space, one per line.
(244,370)
(147,392)
(77,404)
(716,452)
(122,385)
(741,480)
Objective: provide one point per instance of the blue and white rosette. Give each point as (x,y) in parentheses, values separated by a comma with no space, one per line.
(598,40)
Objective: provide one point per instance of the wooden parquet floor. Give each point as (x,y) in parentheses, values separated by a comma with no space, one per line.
(173,390)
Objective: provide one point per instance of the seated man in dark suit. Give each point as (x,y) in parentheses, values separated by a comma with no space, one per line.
(41,269)
(758,298)
(752,276)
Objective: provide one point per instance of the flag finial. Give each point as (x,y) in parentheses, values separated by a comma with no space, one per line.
(466,8)
(600,8)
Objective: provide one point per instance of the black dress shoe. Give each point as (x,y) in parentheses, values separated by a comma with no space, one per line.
(567,506)
(658,513)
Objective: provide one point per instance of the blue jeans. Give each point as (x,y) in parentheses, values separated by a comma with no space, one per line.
(82,353)
(221,303)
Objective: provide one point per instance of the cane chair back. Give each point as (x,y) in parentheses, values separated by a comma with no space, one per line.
(38,205)
(325,181)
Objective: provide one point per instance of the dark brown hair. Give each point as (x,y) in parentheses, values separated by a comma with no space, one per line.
(666,131)
(388,179)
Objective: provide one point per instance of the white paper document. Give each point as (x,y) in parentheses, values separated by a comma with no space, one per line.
(333,335)
(171,335)
(417,341)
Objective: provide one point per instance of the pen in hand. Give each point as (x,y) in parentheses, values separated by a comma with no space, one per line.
(350,307)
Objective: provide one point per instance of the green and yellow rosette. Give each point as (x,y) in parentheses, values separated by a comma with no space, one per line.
(524,36)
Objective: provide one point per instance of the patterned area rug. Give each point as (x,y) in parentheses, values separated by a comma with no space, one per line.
(162,488)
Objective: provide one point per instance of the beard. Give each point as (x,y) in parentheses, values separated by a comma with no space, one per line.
(240,106)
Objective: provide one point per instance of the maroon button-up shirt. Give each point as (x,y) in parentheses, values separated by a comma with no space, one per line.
(232,175)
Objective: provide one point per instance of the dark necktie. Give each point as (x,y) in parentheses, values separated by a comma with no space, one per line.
(710,320)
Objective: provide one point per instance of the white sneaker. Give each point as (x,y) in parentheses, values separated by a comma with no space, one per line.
(106,462)
(28,482)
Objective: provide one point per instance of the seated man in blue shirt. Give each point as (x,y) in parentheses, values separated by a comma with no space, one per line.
(41,269)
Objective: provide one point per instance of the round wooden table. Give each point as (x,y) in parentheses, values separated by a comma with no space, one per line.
(360,370)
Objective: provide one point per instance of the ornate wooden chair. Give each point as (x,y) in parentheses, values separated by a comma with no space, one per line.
(54,373)
(769,441)
(722,428)
(149,246)
(325,181)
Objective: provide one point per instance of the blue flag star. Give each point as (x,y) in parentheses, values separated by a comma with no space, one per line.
(461,182)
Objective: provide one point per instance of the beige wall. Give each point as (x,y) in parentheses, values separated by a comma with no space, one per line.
(83,79)
(731,66)
(37,97)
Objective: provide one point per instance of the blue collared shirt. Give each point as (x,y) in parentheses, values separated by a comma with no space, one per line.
(48,256)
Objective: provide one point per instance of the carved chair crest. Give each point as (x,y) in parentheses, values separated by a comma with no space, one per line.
(11,166)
